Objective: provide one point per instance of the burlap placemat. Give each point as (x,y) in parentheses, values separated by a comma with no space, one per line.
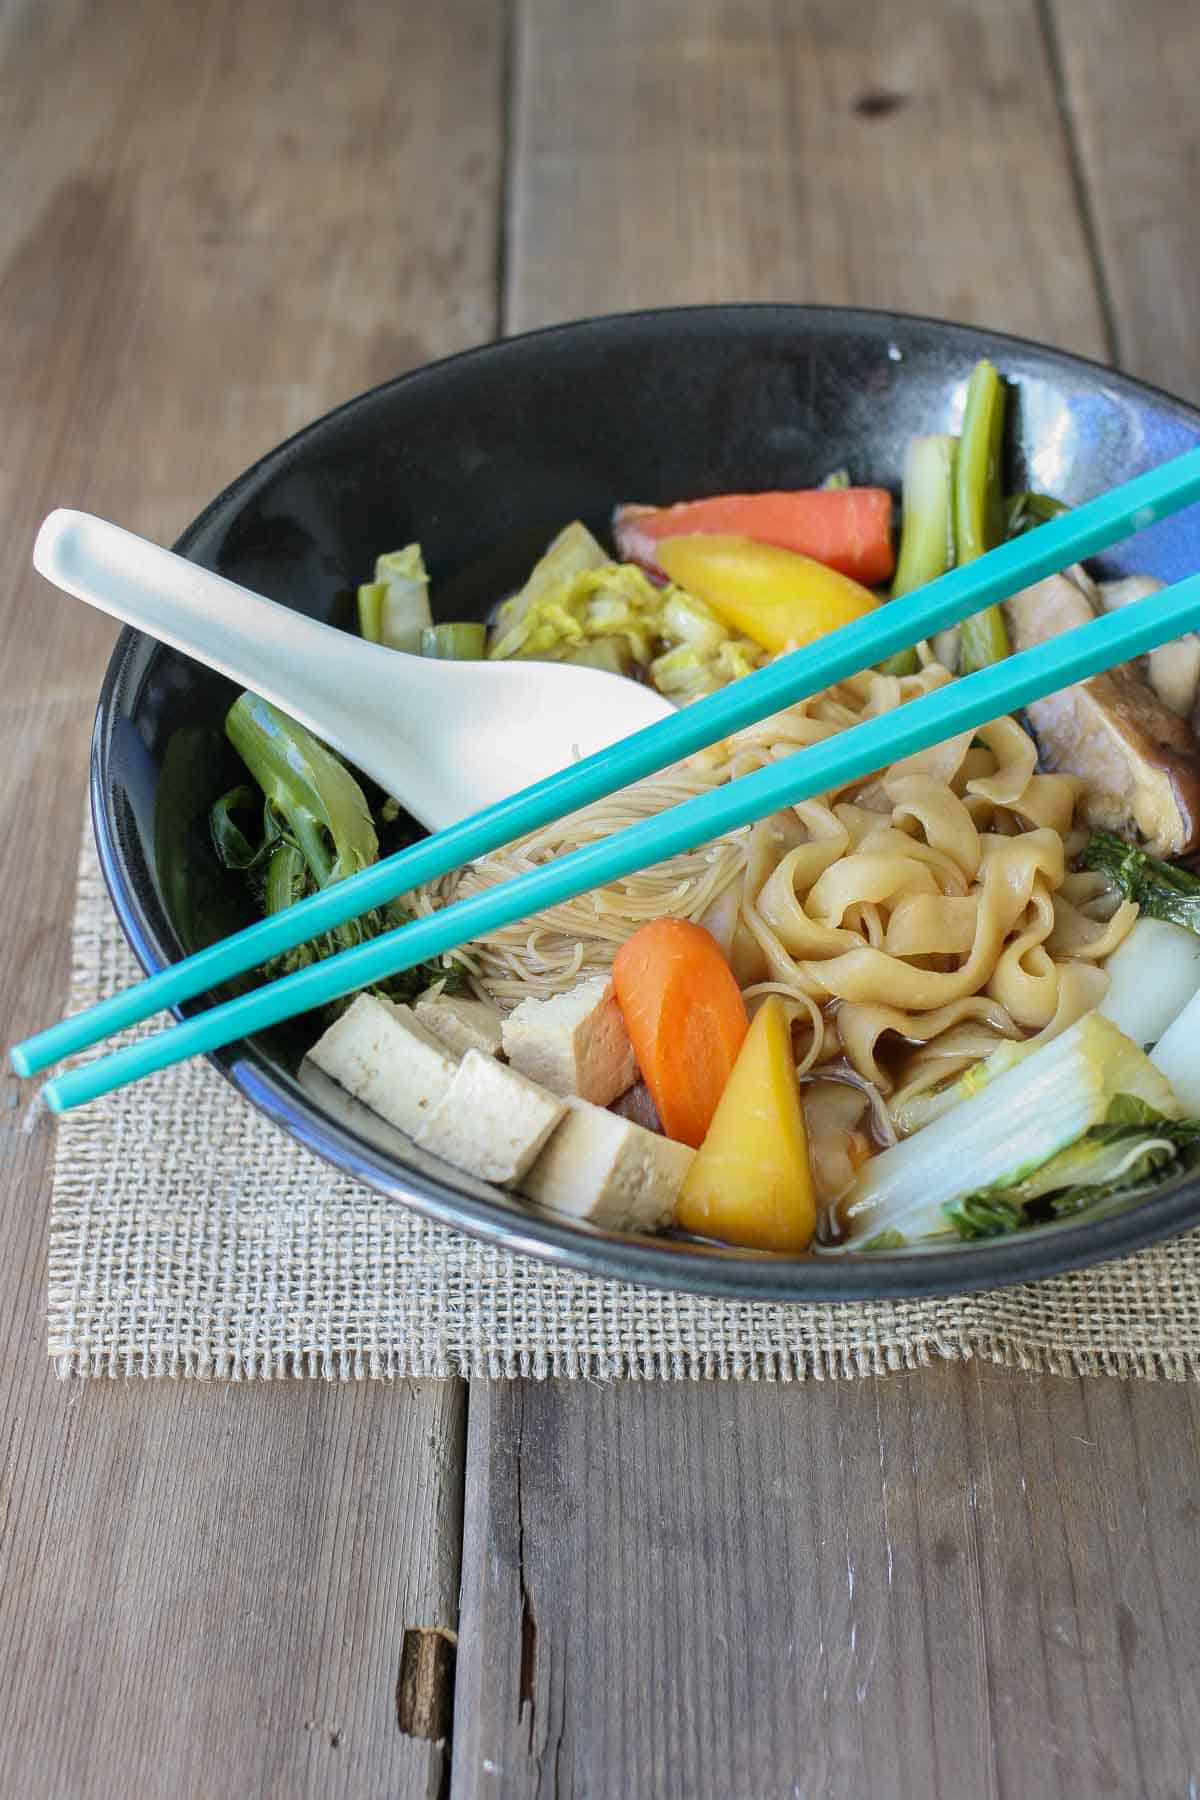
(189,1236)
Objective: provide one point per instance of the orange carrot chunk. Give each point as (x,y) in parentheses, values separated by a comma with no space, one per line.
(686,1020)
(849,529)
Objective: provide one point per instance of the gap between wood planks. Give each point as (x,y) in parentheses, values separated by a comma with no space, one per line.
(1052,45)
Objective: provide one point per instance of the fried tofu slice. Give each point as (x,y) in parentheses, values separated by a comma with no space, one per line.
(491,1122)
(573,1043)
(609,1171)
(381,1055)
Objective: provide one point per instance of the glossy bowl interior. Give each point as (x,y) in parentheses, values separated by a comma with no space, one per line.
(482,458)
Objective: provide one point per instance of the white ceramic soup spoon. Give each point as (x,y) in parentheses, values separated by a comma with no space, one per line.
(443,738)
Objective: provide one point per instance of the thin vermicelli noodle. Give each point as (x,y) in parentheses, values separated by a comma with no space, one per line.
(550,952)
(928,910)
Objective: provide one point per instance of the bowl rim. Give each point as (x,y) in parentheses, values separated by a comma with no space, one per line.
(664,1264)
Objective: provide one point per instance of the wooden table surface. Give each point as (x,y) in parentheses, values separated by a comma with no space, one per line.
(220,218)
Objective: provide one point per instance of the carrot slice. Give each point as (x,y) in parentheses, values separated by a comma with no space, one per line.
(686,1020)
(849,529)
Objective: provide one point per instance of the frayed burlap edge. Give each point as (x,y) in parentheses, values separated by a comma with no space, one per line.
(763,1367)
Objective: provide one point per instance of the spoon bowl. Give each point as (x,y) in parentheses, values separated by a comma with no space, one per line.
(443,738)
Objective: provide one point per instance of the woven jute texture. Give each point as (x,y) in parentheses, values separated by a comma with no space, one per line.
(189,1236)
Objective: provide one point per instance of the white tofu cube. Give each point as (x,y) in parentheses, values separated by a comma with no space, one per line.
(380,1054)
(491,1121)
(573,1043)
(461,1024)
(608,1170)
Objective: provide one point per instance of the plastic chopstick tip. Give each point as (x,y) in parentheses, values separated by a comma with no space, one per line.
(19,1061)
(51,1097)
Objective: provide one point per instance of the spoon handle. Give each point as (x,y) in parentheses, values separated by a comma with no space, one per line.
(319,675)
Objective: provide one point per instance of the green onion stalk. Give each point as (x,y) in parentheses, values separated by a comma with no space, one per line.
(927,527)
(316,829)
(462,640)
(979,520)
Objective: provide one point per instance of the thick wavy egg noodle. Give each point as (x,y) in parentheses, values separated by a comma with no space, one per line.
(911,923)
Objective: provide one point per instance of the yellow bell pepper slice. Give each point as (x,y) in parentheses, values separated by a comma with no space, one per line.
(777,597)
(751,1182)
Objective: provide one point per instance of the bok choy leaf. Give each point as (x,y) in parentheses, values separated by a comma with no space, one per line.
(1113,1160)
(1161,890)
(991,1143)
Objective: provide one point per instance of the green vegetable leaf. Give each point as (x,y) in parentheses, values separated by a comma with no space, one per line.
(1142,1173)
(885,1240)
(287,878)
(1161,890)
(230,842)
(985,1215)
(1182,1134)
(1135,1150)
(1023,511)
(317,828)
(1129,1109)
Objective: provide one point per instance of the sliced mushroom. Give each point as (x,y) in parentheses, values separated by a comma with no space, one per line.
(1039,612)
(1173,670)
(1139,760)
(1124,589)
(1087,587)
(637,1104)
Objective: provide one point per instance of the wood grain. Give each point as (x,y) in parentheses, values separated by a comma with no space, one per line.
(699,150)
(214,1593)
(1129,78)
(956,1583)
(219,220)
(933,1584)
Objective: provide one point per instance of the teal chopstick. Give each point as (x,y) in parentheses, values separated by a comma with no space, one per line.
(849,756)
(953,597)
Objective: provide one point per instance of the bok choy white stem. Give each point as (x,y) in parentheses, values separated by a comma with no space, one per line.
(1002,1135)
(1177,1056)
(1151,978)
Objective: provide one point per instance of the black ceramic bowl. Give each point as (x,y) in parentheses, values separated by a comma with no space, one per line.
(482,458)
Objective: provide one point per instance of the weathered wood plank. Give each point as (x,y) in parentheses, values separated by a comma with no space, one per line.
(894,1587)
(253,213)
(221,1590)
(198,1581)
(905,1587)
(876,155)
(219,220)
(1129,77)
